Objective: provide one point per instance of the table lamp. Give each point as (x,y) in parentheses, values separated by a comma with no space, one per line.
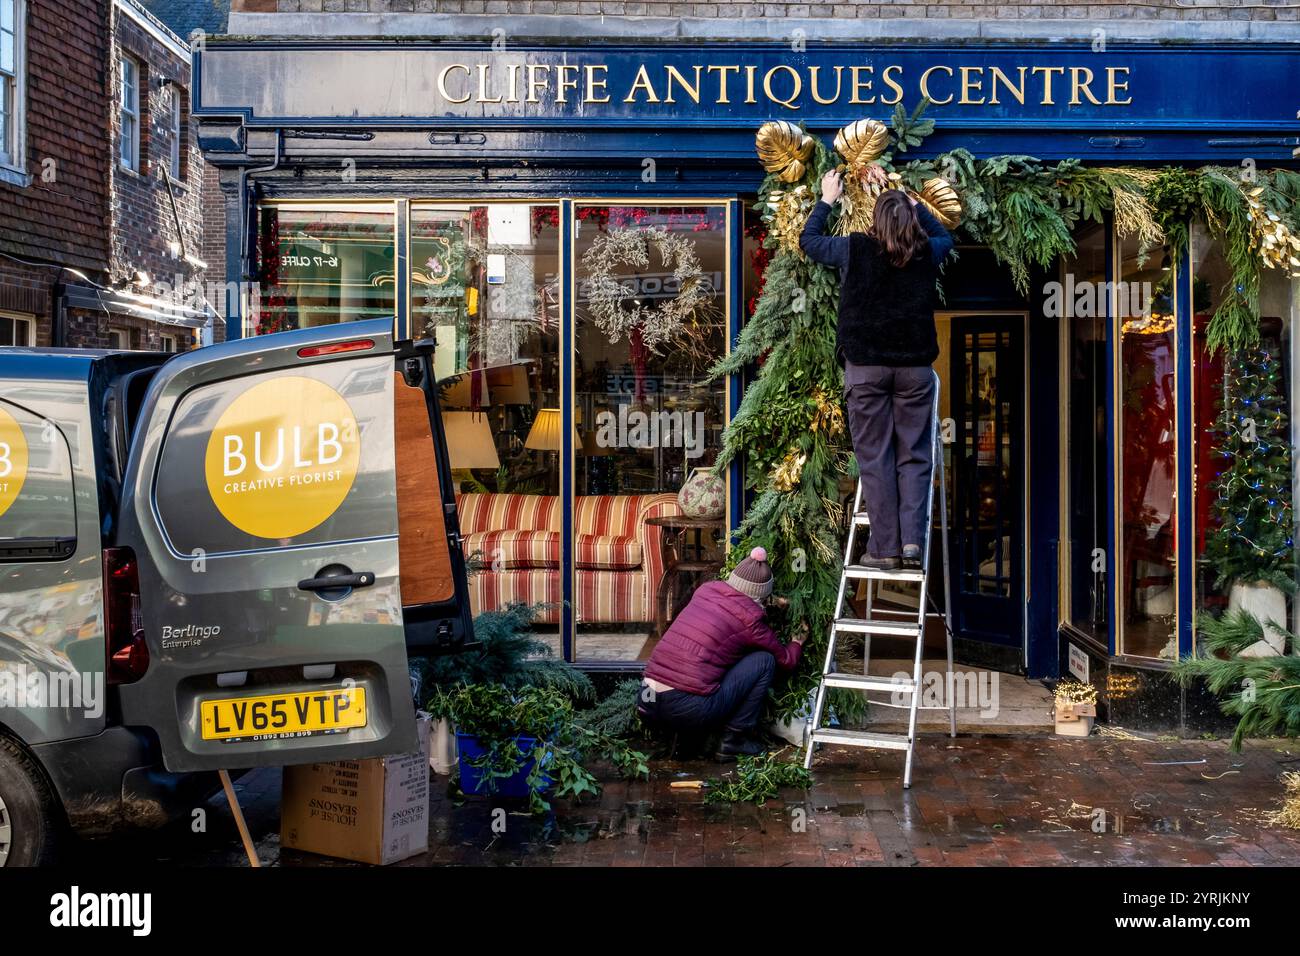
(469,441)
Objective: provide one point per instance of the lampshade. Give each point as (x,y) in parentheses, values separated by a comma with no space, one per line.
(459,394)
(469,440)
(545,433)
(509,385)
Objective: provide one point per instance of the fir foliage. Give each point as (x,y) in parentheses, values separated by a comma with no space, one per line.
(1262,692)
(1253,518)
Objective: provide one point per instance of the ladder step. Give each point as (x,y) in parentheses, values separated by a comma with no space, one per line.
(859,572)
(861,518)
(860,738)
(893,685)
(856,625)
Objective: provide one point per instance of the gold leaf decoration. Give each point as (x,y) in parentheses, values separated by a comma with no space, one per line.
(862,142)
(1278,247)
(784,149)
(858,202)
(787,213)
(786,476)
(942,200)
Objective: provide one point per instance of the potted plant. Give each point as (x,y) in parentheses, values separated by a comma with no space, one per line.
(527,743)
(1076,708)
(506,652)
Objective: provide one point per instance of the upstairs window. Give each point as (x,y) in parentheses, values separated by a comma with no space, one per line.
(11,83)
(129,106)
(176,125)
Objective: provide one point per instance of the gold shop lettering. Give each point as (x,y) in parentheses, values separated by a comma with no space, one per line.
(788,86)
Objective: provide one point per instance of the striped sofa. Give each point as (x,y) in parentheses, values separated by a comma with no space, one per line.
(617,556)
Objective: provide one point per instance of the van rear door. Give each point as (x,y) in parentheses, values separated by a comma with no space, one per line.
(261,502)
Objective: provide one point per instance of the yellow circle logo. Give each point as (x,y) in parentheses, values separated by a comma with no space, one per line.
(13,460)
(282,457)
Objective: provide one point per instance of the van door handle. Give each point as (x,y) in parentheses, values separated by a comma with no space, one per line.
(334,582)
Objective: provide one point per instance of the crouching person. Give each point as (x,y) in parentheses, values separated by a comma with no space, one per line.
(715,663)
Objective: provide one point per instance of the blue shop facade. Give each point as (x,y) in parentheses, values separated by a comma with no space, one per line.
(477,189)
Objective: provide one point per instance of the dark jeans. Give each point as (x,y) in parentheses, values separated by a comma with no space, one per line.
(889,415)
(735,705)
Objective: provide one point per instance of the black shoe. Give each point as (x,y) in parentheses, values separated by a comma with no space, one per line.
(912,555)
(880,564)
(739,745)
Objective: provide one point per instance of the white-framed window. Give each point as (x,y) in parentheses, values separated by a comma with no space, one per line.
(129,107)
(166,343)
(12,83)
(119,339)
(17,329)
(176,120)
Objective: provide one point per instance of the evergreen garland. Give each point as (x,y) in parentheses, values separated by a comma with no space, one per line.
(1026,212)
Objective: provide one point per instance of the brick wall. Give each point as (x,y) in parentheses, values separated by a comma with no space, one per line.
(847,9)
(145,233)
(61,215)
(93,330)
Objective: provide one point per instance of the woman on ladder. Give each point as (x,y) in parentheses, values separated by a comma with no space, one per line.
(887,342)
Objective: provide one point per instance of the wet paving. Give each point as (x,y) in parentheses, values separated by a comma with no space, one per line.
(1001,801)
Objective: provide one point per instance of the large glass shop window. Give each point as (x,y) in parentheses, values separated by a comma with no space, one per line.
(1245,435)
(485,285)
(650,321)
(322,264)
(1085,311)
(1146,568)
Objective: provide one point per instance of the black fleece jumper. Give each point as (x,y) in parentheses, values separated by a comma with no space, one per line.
(886,314)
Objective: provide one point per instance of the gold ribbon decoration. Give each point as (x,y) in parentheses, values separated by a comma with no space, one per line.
(862,142)
(942,200)
(784,149)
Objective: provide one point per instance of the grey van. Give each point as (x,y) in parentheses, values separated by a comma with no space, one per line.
(200,568)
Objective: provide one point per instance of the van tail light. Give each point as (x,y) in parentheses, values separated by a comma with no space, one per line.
(128,654)
(356,345)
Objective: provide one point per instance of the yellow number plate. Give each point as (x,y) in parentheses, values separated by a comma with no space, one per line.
(277,716)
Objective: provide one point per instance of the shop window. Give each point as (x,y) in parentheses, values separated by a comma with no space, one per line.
(485,285)
(15,329)
(322,264)
(1083,316)
(1244,414)
(1143,308)
(650,321)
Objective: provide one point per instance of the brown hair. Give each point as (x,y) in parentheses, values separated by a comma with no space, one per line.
(895,227)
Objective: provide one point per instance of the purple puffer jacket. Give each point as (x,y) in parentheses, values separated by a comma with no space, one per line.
(715,630)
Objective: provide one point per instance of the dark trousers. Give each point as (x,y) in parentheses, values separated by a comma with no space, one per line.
(890,416)
(734,706)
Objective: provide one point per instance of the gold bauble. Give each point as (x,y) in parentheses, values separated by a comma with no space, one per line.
(862,142)
(784,149)
(942,200)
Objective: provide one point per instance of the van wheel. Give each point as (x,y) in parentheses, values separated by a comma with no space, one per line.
(29,812)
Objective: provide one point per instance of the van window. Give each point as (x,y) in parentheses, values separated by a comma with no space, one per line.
(38,513)
(285,458)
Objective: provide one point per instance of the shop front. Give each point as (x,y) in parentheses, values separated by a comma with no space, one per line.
(516,205)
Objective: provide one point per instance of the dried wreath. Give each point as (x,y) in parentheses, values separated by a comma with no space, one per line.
(608,297)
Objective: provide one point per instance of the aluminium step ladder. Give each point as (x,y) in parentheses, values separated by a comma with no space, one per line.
(892,623)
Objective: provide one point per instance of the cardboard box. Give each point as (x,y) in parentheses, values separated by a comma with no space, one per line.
(372,811)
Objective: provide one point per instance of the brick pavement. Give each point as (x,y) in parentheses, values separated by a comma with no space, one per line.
(975,801)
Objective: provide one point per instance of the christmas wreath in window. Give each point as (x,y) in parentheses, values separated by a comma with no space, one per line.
(618,306)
